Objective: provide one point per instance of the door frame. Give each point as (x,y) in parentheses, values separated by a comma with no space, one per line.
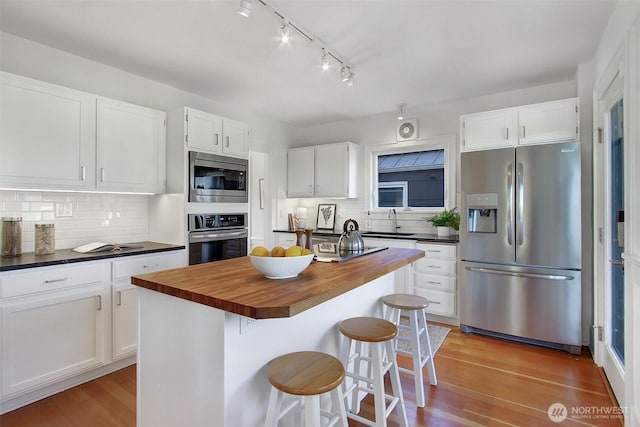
(608,90)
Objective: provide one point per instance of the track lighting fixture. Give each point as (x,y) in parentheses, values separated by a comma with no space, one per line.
(245,8)
(324,60)
(401,111)
(285,31)
(346,73)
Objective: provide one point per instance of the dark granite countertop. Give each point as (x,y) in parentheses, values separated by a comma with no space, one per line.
(420,237)
(67,256)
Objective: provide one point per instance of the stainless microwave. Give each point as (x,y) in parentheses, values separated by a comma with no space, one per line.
(214,178)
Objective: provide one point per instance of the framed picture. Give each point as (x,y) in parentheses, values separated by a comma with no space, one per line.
(326,217)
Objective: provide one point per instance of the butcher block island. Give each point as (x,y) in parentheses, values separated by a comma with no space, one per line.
(207,332)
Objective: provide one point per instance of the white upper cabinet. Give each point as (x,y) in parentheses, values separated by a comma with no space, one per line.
(544,123)
(55,138)
(555,121)
(328,170)
(131,143)
(491,129)
(210,133)
(301,172)
(47,135)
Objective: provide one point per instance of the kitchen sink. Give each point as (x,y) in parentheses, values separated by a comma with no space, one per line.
(385,233)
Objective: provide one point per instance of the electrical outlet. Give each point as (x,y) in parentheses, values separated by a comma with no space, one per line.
(64,210)
(247,323)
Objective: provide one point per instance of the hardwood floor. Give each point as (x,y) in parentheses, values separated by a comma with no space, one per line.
(481,381)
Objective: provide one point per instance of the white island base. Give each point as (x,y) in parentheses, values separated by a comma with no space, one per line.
(202,366)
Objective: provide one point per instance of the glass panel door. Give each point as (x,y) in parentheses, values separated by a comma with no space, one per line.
(616,229)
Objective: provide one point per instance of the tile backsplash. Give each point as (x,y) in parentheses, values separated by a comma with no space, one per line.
(79,218)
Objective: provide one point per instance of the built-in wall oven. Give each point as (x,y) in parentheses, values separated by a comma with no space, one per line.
(214,237)
(215,179)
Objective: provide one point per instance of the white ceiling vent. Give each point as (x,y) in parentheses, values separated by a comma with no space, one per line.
(407,130)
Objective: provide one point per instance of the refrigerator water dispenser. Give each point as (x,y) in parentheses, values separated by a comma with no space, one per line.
(483,212)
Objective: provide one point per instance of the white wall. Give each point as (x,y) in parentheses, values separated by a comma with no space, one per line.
(35,60)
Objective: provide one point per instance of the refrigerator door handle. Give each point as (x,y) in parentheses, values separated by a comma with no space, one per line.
(519,274)
(520,207)
(510,226)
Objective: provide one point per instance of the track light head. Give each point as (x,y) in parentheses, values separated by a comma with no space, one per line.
(344,73)
(285,31)
(401,111)
(350,79)
(245,8)
(324,59)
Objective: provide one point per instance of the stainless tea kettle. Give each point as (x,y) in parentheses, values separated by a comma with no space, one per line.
(350,239)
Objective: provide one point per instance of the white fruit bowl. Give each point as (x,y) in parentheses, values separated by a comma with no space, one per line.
(280,267)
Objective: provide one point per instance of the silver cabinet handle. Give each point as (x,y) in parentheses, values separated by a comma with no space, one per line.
(433,251)
(617,262)
(217,139)
(519,274)
(150,265)
(83,173)
(434,302)
(506,133)
(119,293)
(99,302)
(520,207)
(431,282)
(102,174)
(62,279)
(227,142)
(434,266)
(524,131)
(510,190)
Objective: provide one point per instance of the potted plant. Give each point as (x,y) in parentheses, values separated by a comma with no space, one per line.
(445,221)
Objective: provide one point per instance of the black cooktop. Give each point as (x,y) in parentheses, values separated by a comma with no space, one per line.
(328,252)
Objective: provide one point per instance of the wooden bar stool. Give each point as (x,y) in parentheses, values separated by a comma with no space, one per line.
(373,341)
(413,307)
(306,375)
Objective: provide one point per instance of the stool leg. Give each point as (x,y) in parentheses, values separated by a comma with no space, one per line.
(275,399)
(417,357)
(312,411)
(430,365)
(378,382)
(395,385)
(337,406)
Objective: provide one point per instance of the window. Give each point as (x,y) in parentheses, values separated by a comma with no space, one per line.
(419,175)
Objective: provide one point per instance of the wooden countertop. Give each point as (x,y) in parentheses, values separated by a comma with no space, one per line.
(234,285)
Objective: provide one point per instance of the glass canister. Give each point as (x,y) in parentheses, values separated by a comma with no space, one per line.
(11,237)
(45,239)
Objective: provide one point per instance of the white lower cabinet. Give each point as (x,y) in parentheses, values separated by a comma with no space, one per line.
(404,275)
(48,335)
(435,278)
(63,325)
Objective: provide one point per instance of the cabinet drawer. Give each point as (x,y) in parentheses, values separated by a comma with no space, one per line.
(432,250)
(48,279)
(124,269)
(285,239)
(440,303)
(436,266)
(435,281)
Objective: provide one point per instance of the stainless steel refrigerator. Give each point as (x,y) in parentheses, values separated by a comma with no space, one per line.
(520,244)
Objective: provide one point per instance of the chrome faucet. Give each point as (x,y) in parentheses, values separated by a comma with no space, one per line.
(394,219)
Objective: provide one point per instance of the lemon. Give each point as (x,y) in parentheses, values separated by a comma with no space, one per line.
(294,251)
(306,251)
(259,251)
(277,251)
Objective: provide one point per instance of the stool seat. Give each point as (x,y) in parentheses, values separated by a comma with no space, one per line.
(368,329)
(406,301)
(305,373)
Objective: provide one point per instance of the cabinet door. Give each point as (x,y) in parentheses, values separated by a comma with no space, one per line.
(46,338)
(131,147)
(47,135)
(555,121)
(332,170)
(300,172)
(491,129)
(125,320)
(204,131)
(404,275)
(235,136)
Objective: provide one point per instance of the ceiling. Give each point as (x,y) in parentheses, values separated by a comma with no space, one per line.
(416,52)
